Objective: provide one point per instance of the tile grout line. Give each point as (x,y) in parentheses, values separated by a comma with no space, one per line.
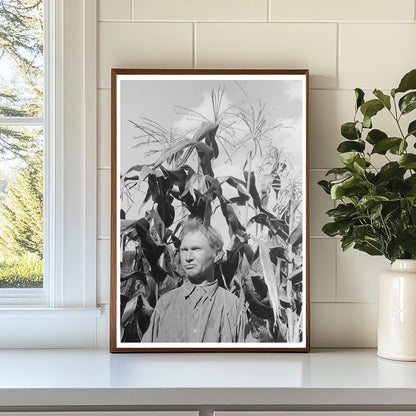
(338,63)
(345,302)
(336,271)
(338,242)
(369,89)
(269,10)
(194,63)
(306,22)
(322,237)
(131,9)
(318,169)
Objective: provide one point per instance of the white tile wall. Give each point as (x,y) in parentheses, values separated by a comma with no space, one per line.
(114,10)
(328,110)
(142,45)
(104,128)
(103,271)
(387,52)
(343,325)
(357,275)
(104,202)
(271,45)
(323,269)
(103,333)
(200,10)
(345,44)
(370,10)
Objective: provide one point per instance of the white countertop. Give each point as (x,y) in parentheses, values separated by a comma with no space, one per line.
(96,377)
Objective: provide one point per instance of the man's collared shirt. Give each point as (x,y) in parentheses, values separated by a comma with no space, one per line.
(194,313)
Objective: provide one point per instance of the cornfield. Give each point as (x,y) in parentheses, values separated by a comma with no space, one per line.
(229,172)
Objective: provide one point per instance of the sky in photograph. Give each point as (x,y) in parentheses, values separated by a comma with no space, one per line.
(156,100)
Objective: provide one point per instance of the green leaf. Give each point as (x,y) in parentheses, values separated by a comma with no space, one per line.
(342,211)
(338,171)
(369,201)
(349,146)
(411,180)
(350,131)
(375,212)
(354,161)
(375,136)
(359,165)
(385,99)
(359,95)
(336,228)
(369,247)
(338,190)
(367,122)
(411,188)
(375,243)
(371,108)
(411,130)
(408,82)
(346,242)
(392,196)
(325,186)
(391,170)
(348,158)
(359,232)
(399,148)
(408,161)
(383,145)
(407,239)
(408,103)
(412,201)
(393,250)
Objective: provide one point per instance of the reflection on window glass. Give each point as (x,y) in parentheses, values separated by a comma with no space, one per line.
(21,143)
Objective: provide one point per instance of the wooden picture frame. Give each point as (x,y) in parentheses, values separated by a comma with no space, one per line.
(200,156)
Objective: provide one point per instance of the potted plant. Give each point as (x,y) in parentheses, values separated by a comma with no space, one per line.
(376,209)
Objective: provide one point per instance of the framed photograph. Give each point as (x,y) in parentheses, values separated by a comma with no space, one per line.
(209,210)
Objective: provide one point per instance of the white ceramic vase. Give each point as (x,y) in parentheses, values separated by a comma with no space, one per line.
(397,312)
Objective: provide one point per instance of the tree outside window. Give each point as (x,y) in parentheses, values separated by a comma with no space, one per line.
(21,143)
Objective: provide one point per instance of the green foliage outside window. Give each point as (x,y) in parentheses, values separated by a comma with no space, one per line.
(21,146)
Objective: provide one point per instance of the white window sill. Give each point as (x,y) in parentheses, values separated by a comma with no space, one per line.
(331,379)
(40,327)
(35,312)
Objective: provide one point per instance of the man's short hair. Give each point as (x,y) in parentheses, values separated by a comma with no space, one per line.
(195,224)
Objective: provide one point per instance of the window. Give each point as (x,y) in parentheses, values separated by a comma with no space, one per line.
(63,313)
(22,128)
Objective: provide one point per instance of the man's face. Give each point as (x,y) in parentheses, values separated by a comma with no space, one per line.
(197,257)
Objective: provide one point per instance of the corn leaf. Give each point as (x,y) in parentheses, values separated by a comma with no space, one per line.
(269,274)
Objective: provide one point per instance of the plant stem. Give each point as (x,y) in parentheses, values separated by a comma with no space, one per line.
(397,118)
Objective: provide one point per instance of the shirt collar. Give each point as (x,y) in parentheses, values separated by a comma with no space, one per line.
(209,289)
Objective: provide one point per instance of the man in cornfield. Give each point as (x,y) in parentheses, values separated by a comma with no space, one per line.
(199,310)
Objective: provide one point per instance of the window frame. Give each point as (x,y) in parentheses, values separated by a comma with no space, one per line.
(70,167)
(33,296)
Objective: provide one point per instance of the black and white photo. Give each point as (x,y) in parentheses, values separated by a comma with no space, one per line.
(209,247)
